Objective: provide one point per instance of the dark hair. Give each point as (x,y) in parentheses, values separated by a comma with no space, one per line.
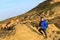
(41,17)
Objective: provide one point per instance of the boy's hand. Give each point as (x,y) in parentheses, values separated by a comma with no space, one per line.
(39,28)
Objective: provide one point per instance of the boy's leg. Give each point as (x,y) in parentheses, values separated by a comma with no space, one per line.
(45,33)
(40,30)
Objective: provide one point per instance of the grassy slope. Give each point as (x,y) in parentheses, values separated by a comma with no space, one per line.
(23,32)
(27,32)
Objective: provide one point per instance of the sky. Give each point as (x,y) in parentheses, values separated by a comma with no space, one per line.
(11,8)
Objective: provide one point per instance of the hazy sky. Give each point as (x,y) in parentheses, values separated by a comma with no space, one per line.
(10,8)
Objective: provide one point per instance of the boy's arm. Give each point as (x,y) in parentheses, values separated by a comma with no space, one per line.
(46,24)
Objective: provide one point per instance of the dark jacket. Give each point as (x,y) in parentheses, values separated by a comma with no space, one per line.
(43,24)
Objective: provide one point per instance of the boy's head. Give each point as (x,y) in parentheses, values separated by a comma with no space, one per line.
(42,18)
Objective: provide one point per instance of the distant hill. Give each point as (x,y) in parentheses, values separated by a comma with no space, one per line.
(49,9)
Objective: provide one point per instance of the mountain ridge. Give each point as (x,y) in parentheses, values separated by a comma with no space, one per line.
(15,27)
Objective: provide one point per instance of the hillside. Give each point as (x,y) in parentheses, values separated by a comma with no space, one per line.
(24,27)
(27,32)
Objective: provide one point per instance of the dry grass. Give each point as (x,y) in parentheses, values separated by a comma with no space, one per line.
(24,26)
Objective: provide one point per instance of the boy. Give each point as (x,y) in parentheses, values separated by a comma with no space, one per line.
(42,26)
